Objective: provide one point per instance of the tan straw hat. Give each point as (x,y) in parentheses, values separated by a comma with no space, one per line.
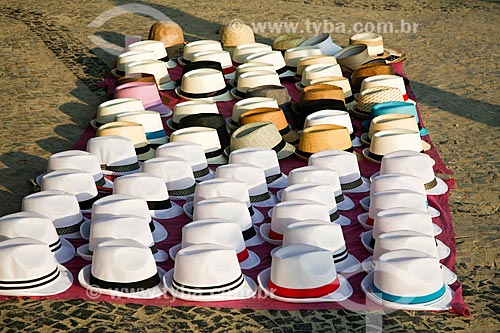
(323,137)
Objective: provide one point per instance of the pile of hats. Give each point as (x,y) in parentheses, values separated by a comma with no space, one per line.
(132,175)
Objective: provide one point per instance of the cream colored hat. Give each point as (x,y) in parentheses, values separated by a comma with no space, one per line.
(394,81)
(333,117)
(373,41)
(204,83)
(353,56)
(274,58)
(126,57)
(107,111)
(316,71)
(388,141)
(157,47)
(150,121)
(324,42)
(222,57)
(294,54)
(250,67)
(242,51)
(155,67)
(116,154)
(205,136)
(311,60)
(254,78)
(187,108)
(197,46)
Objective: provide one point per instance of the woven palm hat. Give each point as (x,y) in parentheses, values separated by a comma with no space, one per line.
(323,137)
(242,51)
(222,57)
(373,41)
(274,58)
(367,70)
(157,47)
(148,93)
(301,110)
(391,140)
(353,56)
(204,83)
(338,81)
(387,80)
(205,136)
(200,45)
(311,60)
(155,67)
(321,91)
(116,154)
(254,78)
(107,111)
(396,107)
(172,36)
(129,56)
(284,42)
(368,98)
(324,42)
(187,108)
(250,67)
(236,34)
(294,54)
(316,71)
(151,122)
(333,117)
(210,120)
(246,105)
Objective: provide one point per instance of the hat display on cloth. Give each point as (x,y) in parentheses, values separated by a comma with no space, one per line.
(396,107)
(322,137)
(284,42)
(320,175)
(373,41)
(234,35)
(150,121)
(394,81)
(246,105)
(254,78)
(222,57)
(316,71)
(77,182)
(294,54)
(274,58)
(207,137)
(260,134)
(157,47)
(124,58)
(324,235)
(388,141)
(346,165)
(153,190)
(288,212)
(230,209)
(301,110)
(223,187)
(302,273)
(408,280)
(78,160)
(37,226)
(250,67)
(171,34)
(208,272)
(197,46)
(311,60)
(123,268)
(130,130)
(191,152)
(254,177)
(353,56)
(156,67)
(188,108)
(29,268)
(415,164)
(107,227)
(324,42)
(221,232)
(107,111)
(333,117)
(341,82)
(264,158)
(175,172)
(116,154)
(273,115)
(124,204)
(367,70)
(241,51)
(204,83)
(60,207)
(368,98)
(149,95)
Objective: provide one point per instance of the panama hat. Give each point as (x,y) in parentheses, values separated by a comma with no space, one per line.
(208,272)
(368,98)
(153,190)
(322,92)
(232,210)
(274,58)
(107,111)
(29,268)
(322,137)
(254,78)
(353,56)
(316,71)
(130,56)
(151,122)
(254,177)
(264,158)
(149,95)
(242,51)
(60,207)
(373,41)
(158,47)
(233,35)
(279,93)
(191,152)
(246,105)
(200,64)
(324,235)
(106,227)
(394,81)
(288,212)
(170,34)
(324,42)
(175,172)
(294,54)
(320,175)
(123,268)
(37,226)
(200,45)
(388,141)
(311,60)
(302,273)
(407,280)
(124,204)
(210,120)
(346,165)
(250,67)
(187,108)
(306,107)
(204,83)
(284,42)
(156,67)
(333,117)
(367,70)
(341,82)
(222,57)
(207,137)
(116,154)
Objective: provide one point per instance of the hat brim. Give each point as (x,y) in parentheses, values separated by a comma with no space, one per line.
(252,261)
(366,237)
(299,86)
(169,213)
(181,61)
(350,265)
(364,187)
(292,137)
(346,204)
(162,109)
(273,200)
(362,219)
(147,155)
(156,291)
(281,182)
(66,252)
(441,304)
(365,203)
(433,212)
(288,73)
(366,151)
(160,233)
(255,240)
(84,252)
(169,123)
(365,140)
(93,123)
(443,250)
(342,220)
(257,217)
(342,293)
(172,252)
(171,63)
(440,188)
(287,151)
(170,85)
(209,175)
(188,209)
(264,232)
(356,142)
(247,290)
(230,125)
(224,97)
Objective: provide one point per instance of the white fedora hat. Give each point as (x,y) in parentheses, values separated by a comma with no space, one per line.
(320,175)
(187,108)
(264,158)
(223,187)
(154,46)
(394,181)
(391,140)
(346,165)
(324,235)
(197,46)
(107,227)
(116,154)
(333,117)
(248,104)
(78,160)
(222,57)
(386,80)
(274,58)
(130,56)
(302,273)
(29,268)
(151,122)
(341,82)
(241,52)
(208,272)
(373,41)
(175,172)
(416,164)
(157,68)
(204,84)
(230,209)
(205,136)
(60,207)
(252,79)
(40,227)
(324,42)
(107,111)
(250,67)
(288,212)
(123,268)
(407,280)
(310,60)
(316,71)
(294,54)
(254,177)
(153,190)
(77,182)
(191,152)
(217,231)
(123,204)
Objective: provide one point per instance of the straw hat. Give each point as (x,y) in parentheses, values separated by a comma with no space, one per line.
(274,58)
(204,83)
(315,71)
(373,41)
(353,56)
(205,136)
(172,36)
(155,67)
(150,121)
(324,42)
(322,137)
(284,42)
(367,70)
(333,117)
(234,35)
(130,56)
(294,54)
(273,115)
(197,46)
(250,67)
(158,47)
(247,104)
(107,111)
(254,78)
(149,95)
(242,51)
(388,141)
(311,60)
(338,81)
(372,96)
(387,80)
(116,154)
(187,108)
(135,77)
(222,57)
(396,107)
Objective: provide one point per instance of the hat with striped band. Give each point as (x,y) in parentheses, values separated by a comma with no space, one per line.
(116,154)
(391,140)
(367,70)
(197,46)
(274,58)
(246,105)
(149,95)
(387,80)
(151,122)
(158,47)
(107,111)
(323,137)
(187,108)
(373,41)
(205,136)
(333,117)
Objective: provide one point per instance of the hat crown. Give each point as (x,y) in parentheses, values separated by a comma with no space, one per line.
(386,80)
(319,192)
(392,121)
(394,181)
(107,111)
(252,103)
(60,207)
(319,233)
(112,150)
(315,174)
(200,45)
(131,130)
(157,68)
(390,140)
(75,159)
(147,92)
(324,42)
(80,183)
(222,57)
(404,239)
(332,117)
(344,162)
(396,198)
(324,137)
(257,78)
(205,136)
(143,185)
(244,50)
(402,218)
(184,109)
(263,114)
(190,151)
(203,80)
(121,204)
(251,175)
(225,208)
(394,107)
(294,54)
(264,158)
(414,163)
(288,212)
(314,59)
(260,134)
(213,230)
(168,32)
(28,224)
(315,71)
(123,59)
(150,45)
(234,36)
(150,120)
(174,171)
(274,58)
(221,187)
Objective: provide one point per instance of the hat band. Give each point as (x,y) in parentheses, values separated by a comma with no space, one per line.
(165,59)
(126,287)
(156,135)
(260,197)
(159,205)
(223,288)
(352,185)
(282,70)
(87,204)
(291,68)
(405,97)
(232,122)
(182,192)
(99,124)
(431,184)
(279,146)
(305,293)
(307,155)
(372,242)
(70,229)
(272,178)
(370,220)
(243,255)
(339,198)
(119,72)
(249,233)
(334,216)
(239,93)
(32,283)
(56,245)
(101,182)
(408,299)
(274,235)
(214,153)
(203,95)
(152,225)
(349,99)
(201,173)
(228,70)
(250,210)
(142,150)
(339,257)
(378,157)
(121,168)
